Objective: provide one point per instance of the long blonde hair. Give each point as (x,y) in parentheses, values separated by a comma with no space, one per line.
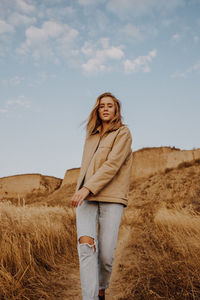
(93,121)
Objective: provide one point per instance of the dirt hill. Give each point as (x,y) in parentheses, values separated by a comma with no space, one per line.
(22,186)
(147,161)
(158,251)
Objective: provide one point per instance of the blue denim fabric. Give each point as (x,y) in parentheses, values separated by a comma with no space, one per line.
(101,221)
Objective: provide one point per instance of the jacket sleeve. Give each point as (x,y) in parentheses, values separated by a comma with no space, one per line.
(79,176)
(121,149)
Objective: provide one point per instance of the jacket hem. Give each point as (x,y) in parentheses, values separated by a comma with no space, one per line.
(108,199)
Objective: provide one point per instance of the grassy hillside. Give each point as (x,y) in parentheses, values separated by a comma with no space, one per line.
(33,243)
(158,259)
(161,257)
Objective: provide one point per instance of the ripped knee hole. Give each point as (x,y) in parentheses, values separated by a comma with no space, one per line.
(88,241)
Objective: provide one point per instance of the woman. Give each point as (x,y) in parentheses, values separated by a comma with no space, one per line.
(101,194)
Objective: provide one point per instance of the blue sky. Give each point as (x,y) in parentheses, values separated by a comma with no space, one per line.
(57,56)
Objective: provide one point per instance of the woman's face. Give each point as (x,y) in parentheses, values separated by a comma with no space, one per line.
(106,109)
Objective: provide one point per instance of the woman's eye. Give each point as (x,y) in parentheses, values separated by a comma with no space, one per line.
(109,106)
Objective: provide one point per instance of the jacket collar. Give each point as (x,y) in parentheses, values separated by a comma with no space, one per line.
(98,129)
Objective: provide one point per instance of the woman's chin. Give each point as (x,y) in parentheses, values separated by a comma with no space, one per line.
(106,120)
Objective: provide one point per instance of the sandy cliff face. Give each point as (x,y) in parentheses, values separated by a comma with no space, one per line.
(71,176)
(148,161)
(21,185)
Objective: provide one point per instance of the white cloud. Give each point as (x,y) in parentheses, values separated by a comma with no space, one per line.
(198,21)
(5,27)
(1,51)
(100,58)
(121,8)
(102,20)
(49,41)
(37,35)
(194,68)
(68,10)
(21,101)
(14,103)
(167,22)
(25,7)
(3,110)
(176,37)
(14,81)
(178,74)
(141,63)
(55,12)
(19,19)
(94,64)
(87,2)
(104,42)
(41,78)
(112,52)
(88,49)
(128,8)
(132,31)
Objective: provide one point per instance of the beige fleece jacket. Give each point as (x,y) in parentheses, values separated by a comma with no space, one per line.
(106,165)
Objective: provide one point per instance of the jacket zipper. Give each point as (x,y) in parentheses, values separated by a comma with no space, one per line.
(83,180)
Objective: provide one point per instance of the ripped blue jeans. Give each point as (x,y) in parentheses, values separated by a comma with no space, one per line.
(101,221)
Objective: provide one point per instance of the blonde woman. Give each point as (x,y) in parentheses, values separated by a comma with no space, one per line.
(101,194)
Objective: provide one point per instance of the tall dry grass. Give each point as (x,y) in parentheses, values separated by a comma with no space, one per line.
(34,241)
(161,257)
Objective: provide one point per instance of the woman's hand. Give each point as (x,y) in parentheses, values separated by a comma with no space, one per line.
(79,196)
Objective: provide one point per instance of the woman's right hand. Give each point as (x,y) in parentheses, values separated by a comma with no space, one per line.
(80,196)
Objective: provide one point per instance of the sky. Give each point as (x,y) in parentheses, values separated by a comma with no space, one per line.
(58,56)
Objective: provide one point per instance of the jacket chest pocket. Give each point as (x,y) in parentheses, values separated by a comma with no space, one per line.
(101,156)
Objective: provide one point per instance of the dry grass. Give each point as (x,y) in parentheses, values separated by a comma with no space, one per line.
(159,258)
(33,241)
(162,258)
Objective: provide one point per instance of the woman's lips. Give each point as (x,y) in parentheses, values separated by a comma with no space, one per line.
(105,115)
